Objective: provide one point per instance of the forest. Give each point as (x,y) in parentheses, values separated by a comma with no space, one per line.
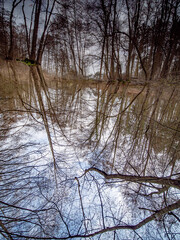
(89,119)
(119,39)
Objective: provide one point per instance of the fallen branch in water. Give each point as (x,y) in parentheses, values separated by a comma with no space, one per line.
(167,181)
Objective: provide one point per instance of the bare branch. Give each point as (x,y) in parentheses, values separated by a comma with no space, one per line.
(139,179)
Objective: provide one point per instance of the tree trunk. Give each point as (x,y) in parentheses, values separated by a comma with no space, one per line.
(11,47)
(35,31)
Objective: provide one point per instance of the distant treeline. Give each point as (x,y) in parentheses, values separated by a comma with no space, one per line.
(121,39)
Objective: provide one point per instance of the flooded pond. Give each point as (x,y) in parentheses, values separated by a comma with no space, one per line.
(88,160)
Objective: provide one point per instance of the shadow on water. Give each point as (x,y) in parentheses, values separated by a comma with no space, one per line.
(88,160)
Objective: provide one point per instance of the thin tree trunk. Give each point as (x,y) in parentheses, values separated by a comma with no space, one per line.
(35,30)
(43,38)
(11,47)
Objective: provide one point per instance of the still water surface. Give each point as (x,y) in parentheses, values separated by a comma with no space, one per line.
(51,133)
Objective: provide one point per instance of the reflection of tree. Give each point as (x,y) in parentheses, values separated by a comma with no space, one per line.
(37,77)
(151,172)
(131,183)
(148,182)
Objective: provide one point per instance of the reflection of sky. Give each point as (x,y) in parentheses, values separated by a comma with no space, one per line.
(72,158)
(70,163)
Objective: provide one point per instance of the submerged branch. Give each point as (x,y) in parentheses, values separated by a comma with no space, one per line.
(139,179)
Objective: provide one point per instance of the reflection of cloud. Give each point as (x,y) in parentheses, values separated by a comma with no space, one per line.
(120,201)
